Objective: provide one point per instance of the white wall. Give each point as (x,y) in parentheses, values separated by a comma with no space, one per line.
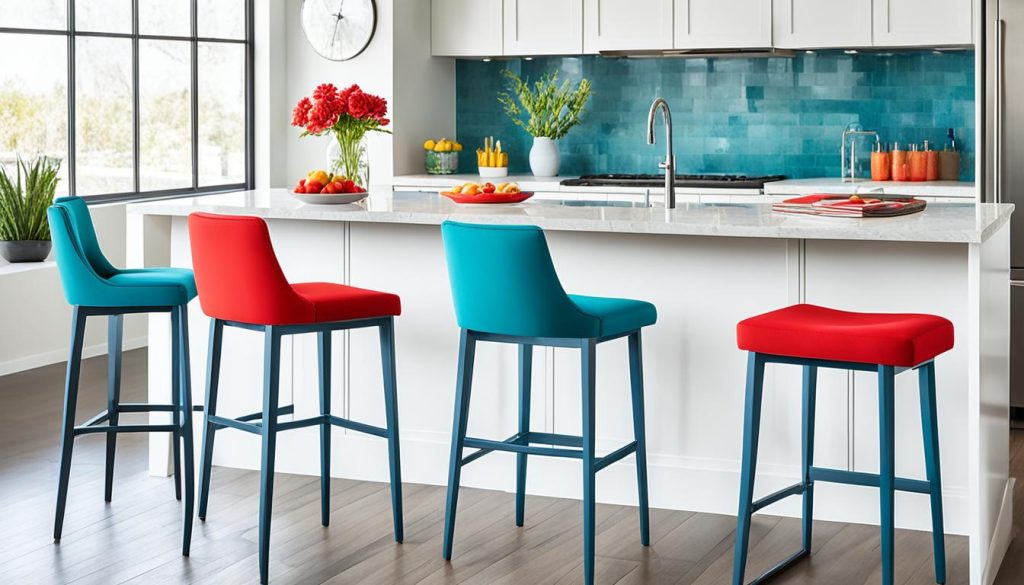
(35,320)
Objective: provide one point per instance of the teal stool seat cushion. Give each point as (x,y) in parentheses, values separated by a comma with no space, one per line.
(504,282)
(90,280)
(616,316)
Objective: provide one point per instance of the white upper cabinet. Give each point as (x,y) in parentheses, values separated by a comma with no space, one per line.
(615,25)
(543,27)
(466,28)
(808,24)
(723,24)
(923,22)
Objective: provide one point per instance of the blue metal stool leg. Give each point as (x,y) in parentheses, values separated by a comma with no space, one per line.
(188,510)
(387,355)
(463,389)
(115,333)
(271,383)
(588,353)
(636,377)
(810,385)
(323,353)
(176,401)
(929,425)
(210,408)
(525,387)
(68,424)
(751,429)
(887,468)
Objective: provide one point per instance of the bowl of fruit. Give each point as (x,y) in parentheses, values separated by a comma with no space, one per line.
(442,156)
(487,193)
(321,188)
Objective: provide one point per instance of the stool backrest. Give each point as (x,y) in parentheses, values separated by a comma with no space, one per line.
(504,282)
(82,266)
(237,273)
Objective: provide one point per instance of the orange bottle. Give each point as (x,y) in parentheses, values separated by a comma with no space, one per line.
(881,163)
(900,170)
(918,163)
(931,158)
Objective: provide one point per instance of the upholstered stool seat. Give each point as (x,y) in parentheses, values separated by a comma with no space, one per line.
(338,302)
(810,331)
(818,337)
(616,316)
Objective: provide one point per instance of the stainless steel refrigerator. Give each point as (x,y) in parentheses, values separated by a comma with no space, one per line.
(1002,152)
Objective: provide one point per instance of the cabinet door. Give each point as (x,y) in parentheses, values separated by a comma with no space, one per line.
(543,27)
(923,22)
(723,24)
(618,25)
(465,28)
(813,24)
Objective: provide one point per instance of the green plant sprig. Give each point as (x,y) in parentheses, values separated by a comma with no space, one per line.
(553,109)
(23,205)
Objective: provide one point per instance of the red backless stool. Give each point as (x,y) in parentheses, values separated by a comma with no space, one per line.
(816,337)
(241,285)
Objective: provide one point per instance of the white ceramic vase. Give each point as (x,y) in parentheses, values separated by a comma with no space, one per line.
(544,157)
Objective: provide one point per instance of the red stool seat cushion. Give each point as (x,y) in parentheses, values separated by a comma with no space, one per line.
(813,332)
(337,302)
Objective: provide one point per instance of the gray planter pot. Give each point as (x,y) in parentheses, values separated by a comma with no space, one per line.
(25,250)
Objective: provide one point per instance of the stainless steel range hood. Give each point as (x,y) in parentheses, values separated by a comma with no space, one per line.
(701,53)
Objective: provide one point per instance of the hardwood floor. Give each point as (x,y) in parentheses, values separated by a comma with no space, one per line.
(135,539)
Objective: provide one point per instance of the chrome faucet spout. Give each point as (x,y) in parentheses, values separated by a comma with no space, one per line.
(669,165)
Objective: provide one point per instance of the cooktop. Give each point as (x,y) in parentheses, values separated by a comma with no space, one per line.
(685,181)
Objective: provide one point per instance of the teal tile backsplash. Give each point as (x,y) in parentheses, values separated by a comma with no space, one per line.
(746,116)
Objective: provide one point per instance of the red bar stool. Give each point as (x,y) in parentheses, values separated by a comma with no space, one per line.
(817,337)
(241,285)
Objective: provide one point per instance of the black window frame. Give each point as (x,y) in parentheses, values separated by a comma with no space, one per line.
(193,38)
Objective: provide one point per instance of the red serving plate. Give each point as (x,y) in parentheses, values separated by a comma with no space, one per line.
(490,197)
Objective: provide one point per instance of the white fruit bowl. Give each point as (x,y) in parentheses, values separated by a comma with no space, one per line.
(493,172)
(329,198)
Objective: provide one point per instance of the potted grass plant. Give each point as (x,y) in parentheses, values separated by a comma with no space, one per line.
(552,109)
(24,199)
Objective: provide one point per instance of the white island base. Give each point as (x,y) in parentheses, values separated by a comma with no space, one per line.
(706,267)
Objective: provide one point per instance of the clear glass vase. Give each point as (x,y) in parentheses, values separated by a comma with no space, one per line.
(346,155)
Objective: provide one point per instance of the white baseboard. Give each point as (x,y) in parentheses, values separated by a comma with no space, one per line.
(39,360)
(1001,536)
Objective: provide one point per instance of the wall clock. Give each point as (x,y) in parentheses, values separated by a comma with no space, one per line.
(339,30)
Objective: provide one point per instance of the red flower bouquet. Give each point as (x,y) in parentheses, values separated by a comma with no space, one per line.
(349,114)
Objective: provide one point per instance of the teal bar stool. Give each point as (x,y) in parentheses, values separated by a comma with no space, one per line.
(95,288)
(506,291)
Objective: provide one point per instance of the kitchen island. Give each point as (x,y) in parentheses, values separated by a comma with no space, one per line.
(706,267)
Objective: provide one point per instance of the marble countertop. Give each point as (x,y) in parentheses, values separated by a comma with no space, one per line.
(838,186)
(940,222)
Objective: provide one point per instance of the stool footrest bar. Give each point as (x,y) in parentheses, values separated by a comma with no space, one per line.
(554,439)
(772,572)
(99,418)
(357,426)
(867,479)
(290,409)
(88,430)
(614,456)
(516,445)
(142,407)
(223,421)
(793,490)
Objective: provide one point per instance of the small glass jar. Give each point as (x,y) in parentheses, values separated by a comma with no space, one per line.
(442,163)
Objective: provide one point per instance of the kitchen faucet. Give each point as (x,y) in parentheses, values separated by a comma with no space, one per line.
(670,160)
(853,152)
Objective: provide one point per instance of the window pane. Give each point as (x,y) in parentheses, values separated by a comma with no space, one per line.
(33,100)
(221,113)
(103,116)
(103,15)
(165,17)
(165,114)
(34,14)
(221,19)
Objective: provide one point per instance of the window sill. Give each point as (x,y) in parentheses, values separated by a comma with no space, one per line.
(18,267)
